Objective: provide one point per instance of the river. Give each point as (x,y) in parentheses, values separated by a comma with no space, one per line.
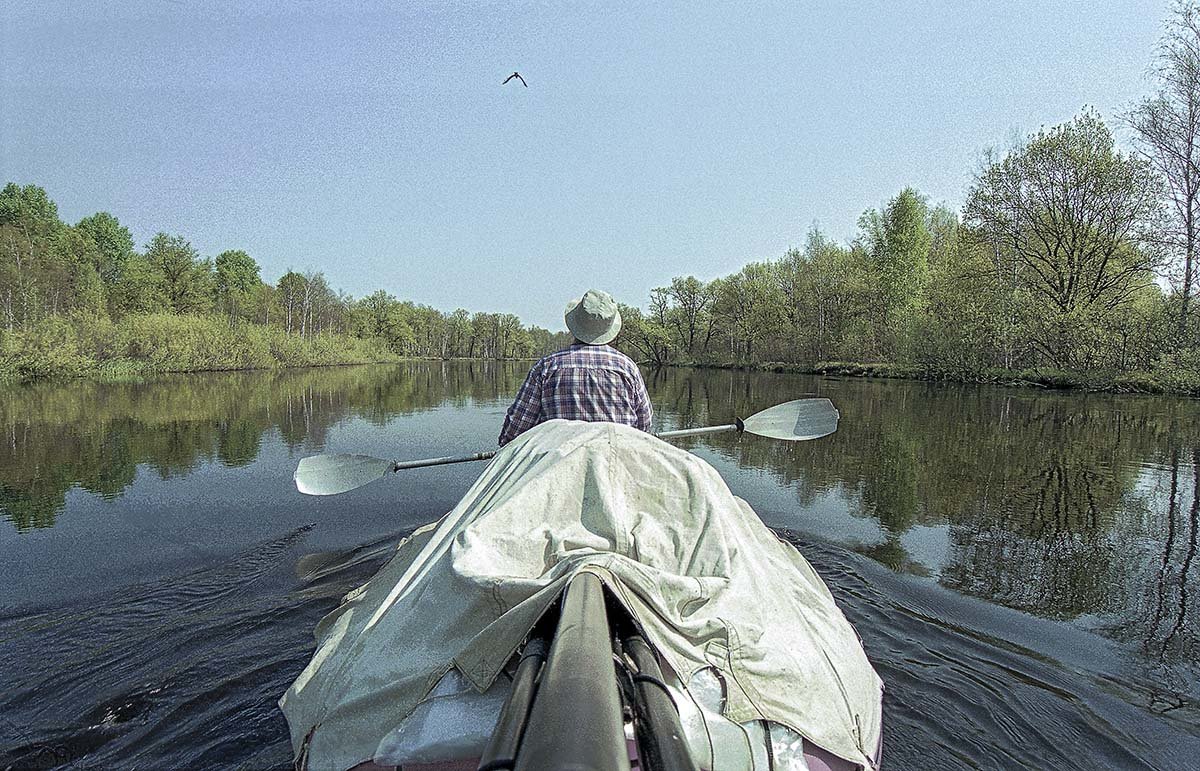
(1021,565)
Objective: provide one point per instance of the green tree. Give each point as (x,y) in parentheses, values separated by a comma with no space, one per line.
(30,209)
(114,245)
(29,261)
(289,293)
(483,335)
(644,338)
(969,321)
(76,285)
(262,301)
(748,305)
(1071,215)
(140,289)
(381,315)
(459,330)
(235,282)
(827,294)
(513,342)
(317,304)
(186,279)
(691,316)
(897,242)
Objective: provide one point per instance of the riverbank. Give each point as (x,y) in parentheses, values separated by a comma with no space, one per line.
(1175,375)
(143,345)
(149,344)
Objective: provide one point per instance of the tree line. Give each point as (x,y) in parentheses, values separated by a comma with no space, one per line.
(91,270)
(1069,255)
(1051,265)
(1072,257)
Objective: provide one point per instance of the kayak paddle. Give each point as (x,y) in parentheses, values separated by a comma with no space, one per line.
(794,421)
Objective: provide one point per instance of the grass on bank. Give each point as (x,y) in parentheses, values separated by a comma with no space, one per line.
(82,346)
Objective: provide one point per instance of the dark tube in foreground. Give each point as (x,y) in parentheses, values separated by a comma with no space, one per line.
(501,750)
(576,723)
(660,734)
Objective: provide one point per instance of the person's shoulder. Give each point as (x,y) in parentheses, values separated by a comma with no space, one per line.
(554,360)
(551,358)
(604,356)
(620,357)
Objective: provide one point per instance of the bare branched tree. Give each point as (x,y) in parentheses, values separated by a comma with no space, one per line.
(1076,216)
(1073,210)
(1167,127)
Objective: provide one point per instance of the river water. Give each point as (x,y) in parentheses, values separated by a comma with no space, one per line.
(1021,566)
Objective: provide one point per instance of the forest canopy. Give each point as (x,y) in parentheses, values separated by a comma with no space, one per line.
(74,298)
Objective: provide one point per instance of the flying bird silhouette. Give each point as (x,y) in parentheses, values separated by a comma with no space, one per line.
(516,75)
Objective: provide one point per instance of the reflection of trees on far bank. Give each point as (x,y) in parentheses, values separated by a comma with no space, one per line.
(1069,506)
(1061,505)
(95,435)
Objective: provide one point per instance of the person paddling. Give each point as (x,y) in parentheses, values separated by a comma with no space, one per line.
(589,380)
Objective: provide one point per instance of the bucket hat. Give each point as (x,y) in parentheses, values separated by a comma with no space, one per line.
(594,318)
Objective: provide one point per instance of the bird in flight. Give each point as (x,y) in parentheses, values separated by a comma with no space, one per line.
(516,75)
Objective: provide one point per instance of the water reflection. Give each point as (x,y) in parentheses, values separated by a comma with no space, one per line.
(1080,507)
(94,436)
(1081,510)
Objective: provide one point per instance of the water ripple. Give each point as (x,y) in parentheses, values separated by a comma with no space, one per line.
(178,674)
(961,696)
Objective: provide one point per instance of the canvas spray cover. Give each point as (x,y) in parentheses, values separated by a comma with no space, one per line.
(709,583)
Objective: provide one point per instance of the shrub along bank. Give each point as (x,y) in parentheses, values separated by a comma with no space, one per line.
(90,346)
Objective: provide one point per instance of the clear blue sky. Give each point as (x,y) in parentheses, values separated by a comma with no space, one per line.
(373,141)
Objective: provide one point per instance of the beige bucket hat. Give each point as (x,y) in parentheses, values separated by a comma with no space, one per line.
(594,318)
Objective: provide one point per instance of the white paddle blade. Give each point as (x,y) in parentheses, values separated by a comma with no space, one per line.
(795,421)
(333,474)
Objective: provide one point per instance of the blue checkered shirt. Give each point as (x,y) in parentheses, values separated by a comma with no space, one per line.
(582,382)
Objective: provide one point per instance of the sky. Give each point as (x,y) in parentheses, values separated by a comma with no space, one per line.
(375,142)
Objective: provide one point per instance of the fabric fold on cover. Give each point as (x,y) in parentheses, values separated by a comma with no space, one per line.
(708,583)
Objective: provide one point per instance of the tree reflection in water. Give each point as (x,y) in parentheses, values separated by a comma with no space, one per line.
(1080,507)
(1069,506)
(95,435)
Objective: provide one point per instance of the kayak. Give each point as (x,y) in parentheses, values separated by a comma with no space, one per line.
(599,599)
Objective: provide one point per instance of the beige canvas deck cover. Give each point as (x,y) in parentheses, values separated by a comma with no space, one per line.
(710,584)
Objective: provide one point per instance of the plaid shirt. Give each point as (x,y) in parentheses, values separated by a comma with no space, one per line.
(582,382)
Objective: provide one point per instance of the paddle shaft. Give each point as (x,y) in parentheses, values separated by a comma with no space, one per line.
(400,465)
(699,431)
